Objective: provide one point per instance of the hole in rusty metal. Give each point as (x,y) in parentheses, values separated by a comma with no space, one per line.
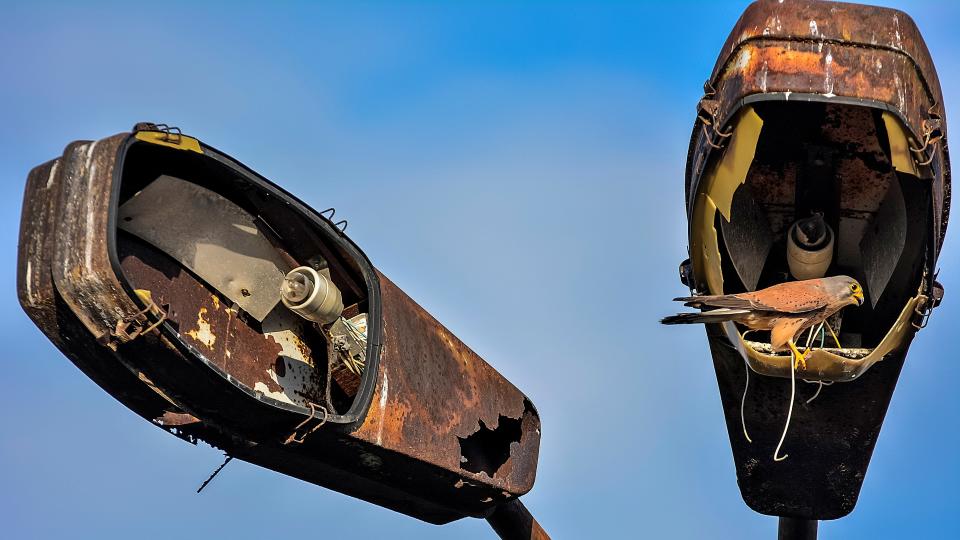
(487,449)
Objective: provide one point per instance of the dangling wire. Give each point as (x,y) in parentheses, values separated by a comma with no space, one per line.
(834,334)
(743,401)
(819,388)
(215,473)
(793,392)
(820,384)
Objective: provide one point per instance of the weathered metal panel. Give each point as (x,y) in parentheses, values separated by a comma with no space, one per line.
(276,361)
(421,356)
(829,443)
(228,252)
(827,51)
(39,298)
(859,65)
(445,435)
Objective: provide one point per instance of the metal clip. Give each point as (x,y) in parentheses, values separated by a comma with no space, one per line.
(922,310)
(130,328)
(932,133)
(313,411)
(171,134)
(707,110)
(342,224)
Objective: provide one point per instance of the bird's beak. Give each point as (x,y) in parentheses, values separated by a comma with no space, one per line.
(859,297)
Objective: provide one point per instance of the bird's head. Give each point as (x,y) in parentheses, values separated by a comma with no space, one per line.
(844,287)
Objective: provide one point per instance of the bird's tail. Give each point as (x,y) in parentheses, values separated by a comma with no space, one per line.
(713,316)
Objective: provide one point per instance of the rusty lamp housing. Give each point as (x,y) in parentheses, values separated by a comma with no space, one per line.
(154,263)
(832,109)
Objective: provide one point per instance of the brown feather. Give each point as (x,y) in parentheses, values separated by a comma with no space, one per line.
(786,329)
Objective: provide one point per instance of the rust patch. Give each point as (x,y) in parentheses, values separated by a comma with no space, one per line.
(435,390)
(833,50)
(176,419)
(227,340)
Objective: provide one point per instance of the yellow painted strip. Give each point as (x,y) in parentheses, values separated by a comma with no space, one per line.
(716,195)
(705,251)
(899,145)
(180,142)
(731,170)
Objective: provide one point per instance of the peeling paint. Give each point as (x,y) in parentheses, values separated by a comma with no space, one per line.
(266,391)
(383,406)
(28,282)
(828,79)
(53,173)
(203,332)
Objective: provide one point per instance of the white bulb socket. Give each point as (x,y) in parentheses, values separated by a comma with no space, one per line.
(808,264)
(311,295)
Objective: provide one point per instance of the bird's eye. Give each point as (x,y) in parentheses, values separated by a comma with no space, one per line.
(854,287)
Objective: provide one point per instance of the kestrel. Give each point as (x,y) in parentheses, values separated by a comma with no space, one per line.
(785,309)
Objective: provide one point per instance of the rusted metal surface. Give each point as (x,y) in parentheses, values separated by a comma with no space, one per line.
(420,357)
(847,136)
(830,440)
(212,237)
(822,77)
(42,302)
(432,431)
(275,361)
(828,51)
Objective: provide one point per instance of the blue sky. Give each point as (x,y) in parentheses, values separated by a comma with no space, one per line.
(482,152)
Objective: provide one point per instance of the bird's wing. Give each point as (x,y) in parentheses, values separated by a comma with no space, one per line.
(792,297)
(727,301)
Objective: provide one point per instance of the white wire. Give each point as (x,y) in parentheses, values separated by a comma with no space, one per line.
(743,401)
(793,391)
(820,384)
(793,394)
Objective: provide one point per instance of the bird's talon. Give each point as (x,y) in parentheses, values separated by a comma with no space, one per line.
(801,362)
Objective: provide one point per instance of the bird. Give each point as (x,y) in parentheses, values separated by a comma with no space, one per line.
(785,309)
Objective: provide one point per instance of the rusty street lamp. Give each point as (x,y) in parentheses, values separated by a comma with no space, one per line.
(819,149)
(220,308)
